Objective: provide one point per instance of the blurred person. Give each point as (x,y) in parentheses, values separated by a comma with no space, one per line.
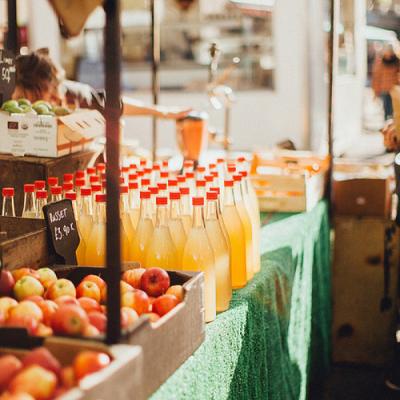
(39,78)
(385,75)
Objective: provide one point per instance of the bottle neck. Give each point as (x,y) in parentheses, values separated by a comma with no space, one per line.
(237,191)
(86,206)
(101,213)
(8,209)
(162,216)
(29,203)
(40,203)
(55,197)
(124,203)
(185,201)
(198,217)
(175,209)
(228,197)
(145,209)
(212,210)
(134,199)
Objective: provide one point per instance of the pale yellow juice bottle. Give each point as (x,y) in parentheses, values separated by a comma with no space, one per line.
(144,229)
(198,256)
(187,215)
(176,226)
(237,238)
(221,253)
(96,245)
(127,230)
(246,221)
(161,251)
(134,203)
(85,223)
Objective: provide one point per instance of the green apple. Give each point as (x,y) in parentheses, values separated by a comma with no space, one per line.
(27,286)
(24,102)
(26,108)
(14,109)
(9,103)
(43,103)
(47,277)
(41,109)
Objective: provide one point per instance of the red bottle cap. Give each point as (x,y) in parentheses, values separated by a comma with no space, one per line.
(153,189)
(67,186)
(172,182)
(161,201)
(198,201)
(41,194)
(124,189)
(215,189)
(140,172)
(125,169)
(29,188)
(201,169)
(52,181)
(189,175)
(220,160)
(188,163)
(145,195)
(96,188)
(231,169)
(212,196)
(91,170)
(143,163)
(145,182)
(68,178)
(200,183)
(228,183)
(184,190)
(156,167)
(175,195)
(214,174)
(8,192)
(40,185)
(164,174)
(243,173)
(79,174)
(147,170)
(121,180)
(101,198)
(208,178)
(101,167)
(56,190)
(181,178)
(104,184)
(70,195)
(132,177)
(94,179)
(237,178)
(212,166)
(79,182)
(165,163)
(162,186)
(133,185)
(133,166)
(241,159)
(86,191)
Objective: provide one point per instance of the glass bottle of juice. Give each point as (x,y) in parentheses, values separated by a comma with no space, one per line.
(89,172)
(29,209)
(162,189)
(127,230)
(198,256)
(221,253)
(246,221)
(161,251)
(190,182)
(154,193)
(144,183)
(79,184)
(172,185)
(52,181)
(200,172)
(181,180)
(256,223)
(41,201)
(134,203)
(187,166)
(237,238)
(8,209)
(209,182)
(186,209)
(200,188)
(55,193)
(96,244)
(72,196)
(156,172)
(67,187)
(40,185)
(96,189)
(176,225)
(144,229)
(100,168)
(164,175)
(85,223)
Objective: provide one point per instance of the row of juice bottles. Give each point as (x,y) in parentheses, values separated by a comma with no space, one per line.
(201,220)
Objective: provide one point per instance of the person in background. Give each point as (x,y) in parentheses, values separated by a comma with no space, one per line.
(385,75)
(39,78)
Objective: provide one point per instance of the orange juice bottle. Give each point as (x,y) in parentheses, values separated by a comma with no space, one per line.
(144,229)
(246,221)
(186,209)
(127,230)
(134,203)
(237,238)
(161,251)
(85,223)
(221,253)
(198,256)
(96,245)
(176,225)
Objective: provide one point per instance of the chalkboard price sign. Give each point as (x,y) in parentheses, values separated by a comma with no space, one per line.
(62,230)
(7,74)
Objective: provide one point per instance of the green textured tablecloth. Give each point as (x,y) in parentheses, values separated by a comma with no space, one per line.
(275,338)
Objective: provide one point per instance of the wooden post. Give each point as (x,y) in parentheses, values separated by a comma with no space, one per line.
(112,64)
(12,31)
(155,58)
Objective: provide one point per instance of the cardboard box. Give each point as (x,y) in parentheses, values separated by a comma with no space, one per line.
(361,331)
(48,136)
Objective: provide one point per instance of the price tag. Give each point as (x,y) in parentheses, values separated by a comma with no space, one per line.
(7,75)
(62,230)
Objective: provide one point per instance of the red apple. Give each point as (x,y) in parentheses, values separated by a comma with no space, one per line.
(48,308)
(165,303)
(42,357)
(125,287)
(88,362)
(68,377)
(36,381)
(88,289)
(128,317)
(36,299)
(27,286)
(9,367)
(155,281)
(46,277)
(153,317)
(177,291)
(63,300)
(98,320)
(6,303)
(27,308)
(96,279)
(138,300)
(21,272)
(25,321)
(69,320)
(61,287)
(133,276)
(91,331)
(7,283)
(89,304)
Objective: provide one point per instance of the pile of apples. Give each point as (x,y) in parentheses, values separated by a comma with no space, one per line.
(45,305)
(40,376)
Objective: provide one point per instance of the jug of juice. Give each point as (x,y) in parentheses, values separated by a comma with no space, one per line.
(186,209)
(134,203)
(127,230)
(96,244)
(85,223)
(161,251)
(198,256)
(221,253)
(237,238)
(176,225)
(144,229)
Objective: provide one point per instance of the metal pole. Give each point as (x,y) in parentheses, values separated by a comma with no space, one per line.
(12,31)
(155,59)
(112,64)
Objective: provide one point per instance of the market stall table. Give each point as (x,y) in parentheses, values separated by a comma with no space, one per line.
(275,338)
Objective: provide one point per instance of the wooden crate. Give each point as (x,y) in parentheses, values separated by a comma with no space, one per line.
(362,333)
(15,171)
(121,380)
